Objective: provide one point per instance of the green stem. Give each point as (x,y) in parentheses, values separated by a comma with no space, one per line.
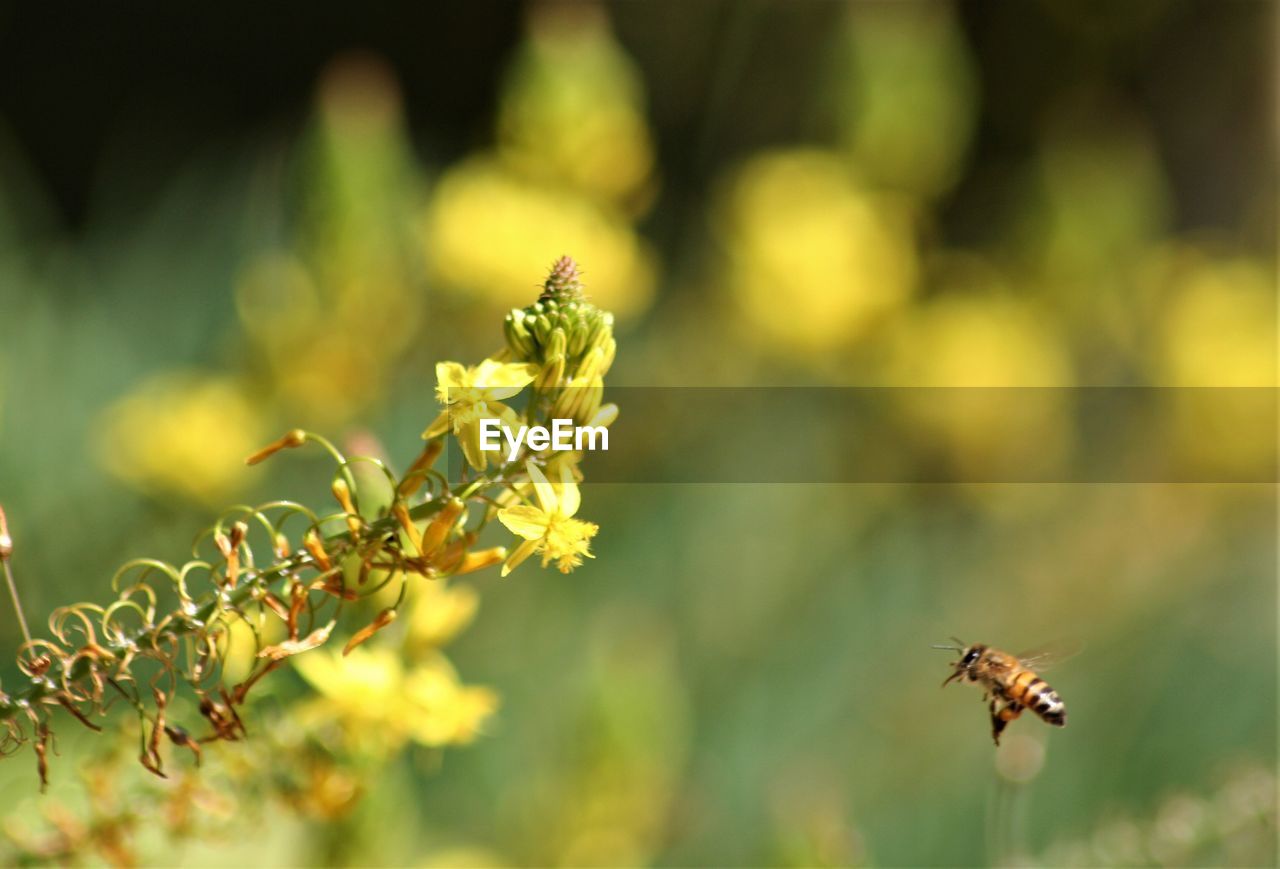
(17,602)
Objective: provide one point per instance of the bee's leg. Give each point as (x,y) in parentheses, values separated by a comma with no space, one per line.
(1001,716)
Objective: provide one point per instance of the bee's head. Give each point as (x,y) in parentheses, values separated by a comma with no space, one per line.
(963,665)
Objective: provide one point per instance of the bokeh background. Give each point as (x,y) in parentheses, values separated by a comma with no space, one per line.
(215,226)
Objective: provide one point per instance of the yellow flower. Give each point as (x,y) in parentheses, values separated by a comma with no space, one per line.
(813,260)
(446,711)
(474,394)
(1219,325)
(557,464)
(489,228)
(997,369)
(549,528)
(438,610)
(363,686)
(184,432)
(379,702)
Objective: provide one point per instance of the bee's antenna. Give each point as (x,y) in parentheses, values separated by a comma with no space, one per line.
(958,647)
(947,648)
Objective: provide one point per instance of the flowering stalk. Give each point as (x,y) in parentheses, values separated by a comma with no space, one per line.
(285,571)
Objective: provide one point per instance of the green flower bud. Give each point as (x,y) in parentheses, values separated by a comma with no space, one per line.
(588,404)
(518,337)
(557,343)
(609,349)
(541,328)
(549,377)
(605,416)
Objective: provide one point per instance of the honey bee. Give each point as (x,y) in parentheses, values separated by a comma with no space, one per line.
(1009,682)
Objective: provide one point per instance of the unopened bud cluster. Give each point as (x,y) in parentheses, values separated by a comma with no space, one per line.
(570,339)
(562,324)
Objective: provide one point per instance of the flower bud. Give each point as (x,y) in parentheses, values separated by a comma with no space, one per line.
(610,348)
(441,525)
(519,340)
(551,373)
(562,310)
(588,404)
(557,343)
(290,440)
(605,416)
(592,365)
(481,559)
(342,493)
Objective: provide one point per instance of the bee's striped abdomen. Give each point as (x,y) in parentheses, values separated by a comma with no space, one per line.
(1031,691)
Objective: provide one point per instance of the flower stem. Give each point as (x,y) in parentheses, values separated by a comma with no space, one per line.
(6,549)
(208,606)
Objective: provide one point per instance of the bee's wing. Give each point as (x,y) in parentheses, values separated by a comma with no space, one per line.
(1045,657)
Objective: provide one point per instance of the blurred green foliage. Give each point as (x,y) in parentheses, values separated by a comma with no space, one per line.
(743,675)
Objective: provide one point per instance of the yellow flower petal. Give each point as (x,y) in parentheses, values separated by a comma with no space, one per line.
(570,497)
(605,415)
(505,415)
(527,522)
(437,428)
(523,551)
(502,392)
(545,491)
(449,375)
(469,439)
(499,377)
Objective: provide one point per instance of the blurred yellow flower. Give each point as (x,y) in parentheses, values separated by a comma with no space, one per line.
(813,259)
(571,110)
(489,229)
(1017,425)
(445,712)
(572,167)
(183,433)
(474,394)
(380,703)
(438,610)
(549,528)
(978,340)
(1219,329)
